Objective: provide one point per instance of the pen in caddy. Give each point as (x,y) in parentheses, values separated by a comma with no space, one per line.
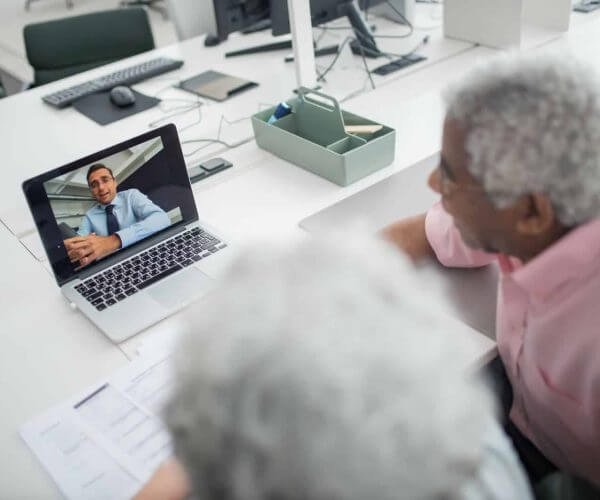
(281,110)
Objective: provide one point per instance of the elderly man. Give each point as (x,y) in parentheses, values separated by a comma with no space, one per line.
(118,220)
(330,379)
(519,179)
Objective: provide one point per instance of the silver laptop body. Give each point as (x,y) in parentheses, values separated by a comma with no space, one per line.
(146,281)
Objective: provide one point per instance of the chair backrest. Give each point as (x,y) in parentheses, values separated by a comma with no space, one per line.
(64,47)
(192,17)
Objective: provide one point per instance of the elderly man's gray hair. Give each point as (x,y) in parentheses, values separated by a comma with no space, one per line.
(533,125)
(317,374)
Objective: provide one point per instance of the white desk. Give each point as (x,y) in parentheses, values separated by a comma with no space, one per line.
(52,352)
(48,351)
(35,137)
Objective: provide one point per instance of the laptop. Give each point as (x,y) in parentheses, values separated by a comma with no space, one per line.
(156,256)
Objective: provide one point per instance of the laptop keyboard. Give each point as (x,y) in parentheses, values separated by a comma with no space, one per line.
(144,269)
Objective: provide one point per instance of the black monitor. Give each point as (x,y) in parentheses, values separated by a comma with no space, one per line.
(367,4)
(241,15)
(323,11)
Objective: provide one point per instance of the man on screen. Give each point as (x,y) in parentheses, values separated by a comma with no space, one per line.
(118,220)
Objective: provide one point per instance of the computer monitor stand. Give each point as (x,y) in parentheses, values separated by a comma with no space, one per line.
(269,47)
(365,44)
(263,24)
(286,44)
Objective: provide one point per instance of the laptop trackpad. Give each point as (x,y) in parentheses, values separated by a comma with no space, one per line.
(181,288)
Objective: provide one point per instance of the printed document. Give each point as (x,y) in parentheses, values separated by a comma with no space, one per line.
(107,441)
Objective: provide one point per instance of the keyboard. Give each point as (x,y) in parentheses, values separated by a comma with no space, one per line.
(112,285)
(403,62)
(126,76)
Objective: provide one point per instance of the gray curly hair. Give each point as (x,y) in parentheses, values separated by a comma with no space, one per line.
(315,373)
(533,125)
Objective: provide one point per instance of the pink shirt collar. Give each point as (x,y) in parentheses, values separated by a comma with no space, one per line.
(567,259)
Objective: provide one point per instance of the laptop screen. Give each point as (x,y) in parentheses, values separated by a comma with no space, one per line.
(111,204)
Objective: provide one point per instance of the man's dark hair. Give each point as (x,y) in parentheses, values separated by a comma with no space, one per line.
(97,166)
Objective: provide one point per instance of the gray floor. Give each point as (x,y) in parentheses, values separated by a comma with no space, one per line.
(13,17)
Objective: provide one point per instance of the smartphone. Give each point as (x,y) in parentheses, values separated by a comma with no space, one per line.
(207,168)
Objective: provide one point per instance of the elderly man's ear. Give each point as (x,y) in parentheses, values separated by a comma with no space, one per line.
(536,215)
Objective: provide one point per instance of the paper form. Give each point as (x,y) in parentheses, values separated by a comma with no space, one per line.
(134,432)
(79,466)
(107,441)
(151,386)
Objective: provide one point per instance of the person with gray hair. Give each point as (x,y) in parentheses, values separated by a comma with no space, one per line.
(519,179)
(315,374)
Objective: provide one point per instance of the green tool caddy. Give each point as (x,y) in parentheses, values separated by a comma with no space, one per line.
(313,137)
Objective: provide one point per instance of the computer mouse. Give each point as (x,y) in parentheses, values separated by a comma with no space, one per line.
(122,96)
(211,40)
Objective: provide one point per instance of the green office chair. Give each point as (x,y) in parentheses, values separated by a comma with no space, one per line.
(561,486)
(61,48)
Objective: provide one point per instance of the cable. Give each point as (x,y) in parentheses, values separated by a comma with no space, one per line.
(356,92)
(209,143)
(359,34)
(403,20)
(362,53)
(390,55)
(177,111)
(402,17)
(173,111)
(180,111)
(321,76)
(218,140)
(321,36)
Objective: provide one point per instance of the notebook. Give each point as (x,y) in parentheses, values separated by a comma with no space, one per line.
(150,257)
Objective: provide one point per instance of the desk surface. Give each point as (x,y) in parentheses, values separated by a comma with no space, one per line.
(50,351)
(37,137)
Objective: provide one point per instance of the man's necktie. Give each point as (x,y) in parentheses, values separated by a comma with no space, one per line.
(112,224)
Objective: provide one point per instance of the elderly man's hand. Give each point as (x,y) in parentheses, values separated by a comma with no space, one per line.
(409,236)
(87,249)
(169,482)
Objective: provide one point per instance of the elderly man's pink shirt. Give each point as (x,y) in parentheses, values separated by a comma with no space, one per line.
(548,334)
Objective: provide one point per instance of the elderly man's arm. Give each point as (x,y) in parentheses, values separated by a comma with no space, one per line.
(151,219)
(169,482)
(434,234)
(409,236)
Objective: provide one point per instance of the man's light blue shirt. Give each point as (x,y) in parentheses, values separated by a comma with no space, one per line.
(138,217)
